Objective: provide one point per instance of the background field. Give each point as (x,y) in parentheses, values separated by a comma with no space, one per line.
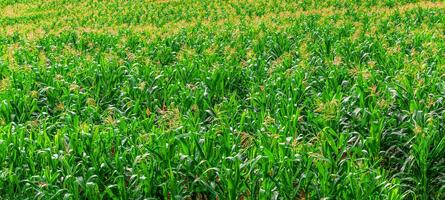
(264,99)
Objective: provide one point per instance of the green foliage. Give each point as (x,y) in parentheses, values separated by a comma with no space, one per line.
(222,100)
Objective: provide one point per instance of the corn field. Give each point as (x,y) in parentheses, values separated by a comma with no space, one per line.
(233,99)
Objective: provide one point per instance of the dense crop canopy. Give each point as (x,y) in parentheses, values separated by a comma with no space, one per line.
(262,99)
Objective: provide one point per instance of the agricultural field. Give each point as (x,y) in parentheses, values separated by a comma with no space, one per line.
(233,99)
